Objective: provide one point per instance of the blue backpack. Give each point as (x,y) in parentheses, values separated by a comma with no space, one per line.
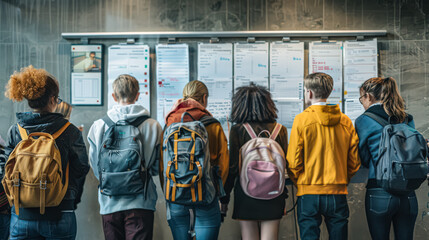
(402,166)
(122,168)
(189,177)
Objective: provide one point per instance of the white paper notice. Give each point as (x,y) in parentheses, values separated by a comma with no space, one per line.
(353,108)
(215,70)
(251,64)
(86,75)
(288,109)
(133,60)
(360,64)
(327,58)
(172,74)
(287,70)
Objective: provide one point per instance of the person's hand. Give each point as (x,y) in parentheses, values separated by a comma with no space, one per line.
(223,210)
(93,66)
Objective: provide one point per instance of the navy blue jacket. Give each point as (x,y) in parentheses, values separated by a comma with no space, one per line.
(369,132)
(72,149)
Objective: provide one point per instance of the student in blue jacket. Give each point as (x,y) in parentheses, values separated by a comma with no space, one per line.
(381,97)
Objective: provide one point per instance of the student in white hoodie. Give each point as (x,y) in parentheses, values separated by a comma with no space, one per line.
(127,216)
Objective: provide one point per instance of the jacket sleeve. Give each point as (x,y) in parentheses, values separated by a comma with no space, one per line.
(79,166)
(353,160)
(95,136)
(10,145)
(218,145)
(161,162)
(369,133)
(234,148)
(151,131)
(295,152)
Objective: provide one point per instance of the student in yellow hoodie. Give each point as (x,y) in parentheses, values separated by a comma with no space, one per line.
(322,157)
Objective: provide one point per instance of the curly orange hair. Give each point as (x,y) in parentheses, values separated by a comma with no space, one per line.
(29,83)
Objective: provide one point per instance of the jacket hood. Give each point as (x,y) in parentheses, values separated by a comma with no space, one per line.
(40,122)
(191,106)
(127,112)
(327,115)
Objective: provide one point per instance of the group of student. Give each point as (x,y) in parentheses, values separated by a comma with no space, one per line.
(325,150)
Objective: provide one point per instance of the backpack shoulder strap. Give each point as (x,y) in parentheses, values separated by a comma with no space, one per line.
(207,120)
(136,123)
(276,131)
(250,130)
(22,132)
(108,121)
(377,118)
(62,129)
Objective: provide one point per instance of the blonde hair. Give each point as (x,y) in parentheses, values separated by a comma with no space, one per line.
(386,91)
(35,85)
(196,90)
(320,83)
(126,88)
(65,109)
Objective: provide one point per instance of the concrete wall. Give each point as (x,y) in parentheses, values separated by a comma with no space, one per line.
(30,33)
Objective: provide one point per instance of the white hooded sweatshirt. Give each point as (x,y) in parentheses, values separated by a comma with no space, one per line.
(151,134)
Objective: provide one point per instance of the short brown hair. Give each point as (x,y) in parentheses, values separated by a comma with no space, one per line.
(126,88)
(320,83)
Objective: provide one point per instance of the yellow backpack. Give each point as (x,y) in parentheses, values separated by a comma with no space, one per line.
(33,172)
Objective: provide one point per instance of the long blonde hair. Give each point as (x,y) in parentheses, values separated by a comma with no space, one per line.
(196,90)
(386,91)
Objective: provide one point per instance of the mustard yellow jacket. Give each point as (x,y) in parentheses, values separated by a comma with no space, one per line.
(323,151)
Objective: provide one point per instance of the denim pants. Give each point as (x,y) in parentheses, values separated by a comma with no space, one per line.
(207,221)
(383,209)
(4,226)
(333,208)
(65,228)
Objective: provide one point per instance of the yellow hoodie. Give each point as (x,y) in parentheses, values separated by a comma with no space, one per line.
(323,151)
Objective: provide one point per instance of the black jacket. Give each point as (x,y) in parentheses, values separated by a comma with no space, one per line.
(72,148)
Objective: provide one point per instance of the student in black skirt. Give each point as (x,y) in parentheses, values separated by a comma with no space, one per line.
(259,219)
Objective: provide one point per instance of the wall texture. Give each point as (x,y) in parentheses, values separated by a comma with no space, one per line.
(30,33)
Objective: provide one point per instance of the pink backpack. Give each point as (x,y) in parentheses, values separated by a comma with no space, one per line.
(262,165)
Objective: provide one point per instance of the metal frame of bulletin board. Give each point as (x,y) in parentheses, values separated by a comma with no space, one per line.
(193,39)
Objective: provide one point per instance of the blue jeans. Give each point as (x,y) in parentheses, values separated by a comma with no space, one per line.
(4,226)
(65,228)
(383,209)
(333,208)
(207,220)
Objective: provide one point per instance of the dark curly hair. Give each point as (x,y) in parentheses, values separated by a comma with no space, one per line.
(253,104)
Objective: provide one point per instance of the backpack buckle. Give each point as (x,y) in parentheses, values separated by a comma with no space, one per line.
(16,182)
(43,184)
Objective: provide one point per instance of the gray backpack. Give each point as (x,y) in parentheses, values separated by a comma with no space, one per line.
(186,157)
(262,165)
(122,168)
(402,154)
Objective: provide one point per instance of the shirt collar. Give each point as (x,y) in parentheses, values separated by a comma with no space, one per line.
(320,103)
(375,104)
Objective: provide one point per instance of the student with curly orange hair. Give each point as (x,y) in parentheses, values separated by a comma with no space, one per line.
(41,89)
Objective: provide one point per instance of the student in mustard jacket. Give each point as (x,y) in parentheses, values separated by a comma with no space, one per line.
(322,157)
